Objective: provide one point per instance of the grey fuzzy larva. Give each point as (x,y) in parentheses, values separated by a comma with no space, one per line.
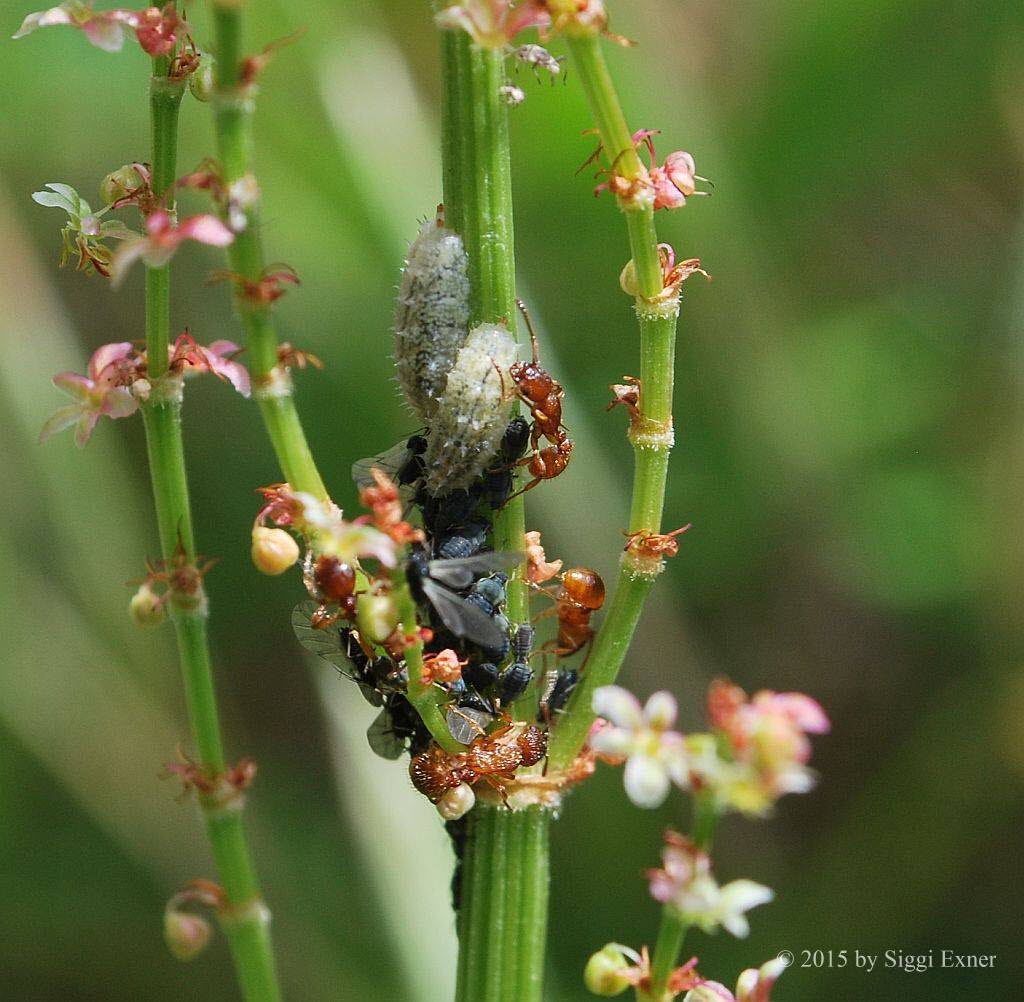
(431,314)
(473,411)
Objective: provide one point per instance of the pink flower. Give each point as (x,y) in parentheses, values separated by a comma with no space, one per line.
(158,30)
(100,392)
(768,735)
(687,885)
(493,24)
(673,180)
(105,29)
(162,240)
(188,357)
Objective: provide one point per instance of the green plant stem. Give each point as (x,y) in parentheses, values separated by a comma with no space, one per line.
(423,697)
(503,917)
(477,177)
(233,100)
(244,917)
(673,929)
(651,431)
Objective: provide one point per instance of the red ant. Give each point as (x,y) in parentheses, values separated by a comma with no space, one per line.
(491,757)
(543,395)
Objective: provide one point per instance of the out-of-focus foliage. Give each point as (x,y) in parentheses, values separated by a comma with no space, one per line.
(850,413)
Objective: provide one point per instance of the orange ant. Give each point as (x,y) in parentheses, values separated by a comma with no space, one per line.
(580,594)
(543,395)
(491,757)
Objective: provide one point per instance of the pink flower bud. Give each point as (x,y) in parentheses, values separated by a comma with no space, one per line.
(185,933)
(273,550)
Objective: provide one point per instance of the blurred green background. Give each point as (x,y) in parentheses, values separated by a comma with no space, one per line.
(850,453)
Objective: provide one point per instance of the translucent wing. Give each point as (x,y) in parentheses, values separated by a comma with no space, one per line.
(326,643)
(381,736)
(466,724)
(329,644)
(390,462)
(463,619)
(463,571)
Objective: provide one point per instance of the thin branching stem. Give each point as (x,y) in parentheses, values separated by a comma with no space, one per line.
(673,929)
(657,322)
(245,918)
(272,387)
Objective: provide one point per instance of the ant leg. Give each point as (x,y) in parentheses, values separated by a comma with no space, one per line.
(494,784)
(529,487)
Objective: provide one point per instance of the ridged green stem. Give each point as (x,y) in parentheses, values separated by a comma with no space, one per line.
(244,918)
(673,929)
(503,918)
(477,177)
(423,697)
(657,324)
(233,102)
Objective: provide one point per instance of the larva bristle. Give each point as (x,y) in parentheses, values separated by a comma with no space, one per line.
(473,411)
(431,315)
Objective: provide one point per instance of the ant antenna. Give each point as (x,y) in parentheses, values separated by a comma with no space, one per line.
(529,327)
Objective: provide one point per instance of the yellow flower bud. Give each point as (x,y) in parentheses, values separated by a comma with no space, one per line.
(606,972)
(120,183)
(146,607)
(273,550)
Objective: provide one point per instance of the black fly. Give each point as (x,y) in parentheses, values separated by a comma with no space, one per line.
(436,582)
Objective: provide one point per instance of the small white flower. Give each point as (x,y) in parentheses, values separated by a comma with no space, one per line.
(642,736)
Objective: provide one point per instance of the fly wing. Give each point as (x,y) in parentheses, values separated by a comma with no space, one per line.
(328,644)
(463,571)
(390,462)
(325,642)
(382,738)
(462,618)
(467,724)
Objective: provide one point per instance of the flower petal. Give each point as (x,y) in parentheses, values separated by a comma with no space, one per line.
(104,33)
(738,897)
(73,385)
(120,403)
(86,423)
(619,706)
(205,229)
(661,710)
(646,781)
(124,257)
(43,19)
(612,741)
(106,355)
(59,420)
